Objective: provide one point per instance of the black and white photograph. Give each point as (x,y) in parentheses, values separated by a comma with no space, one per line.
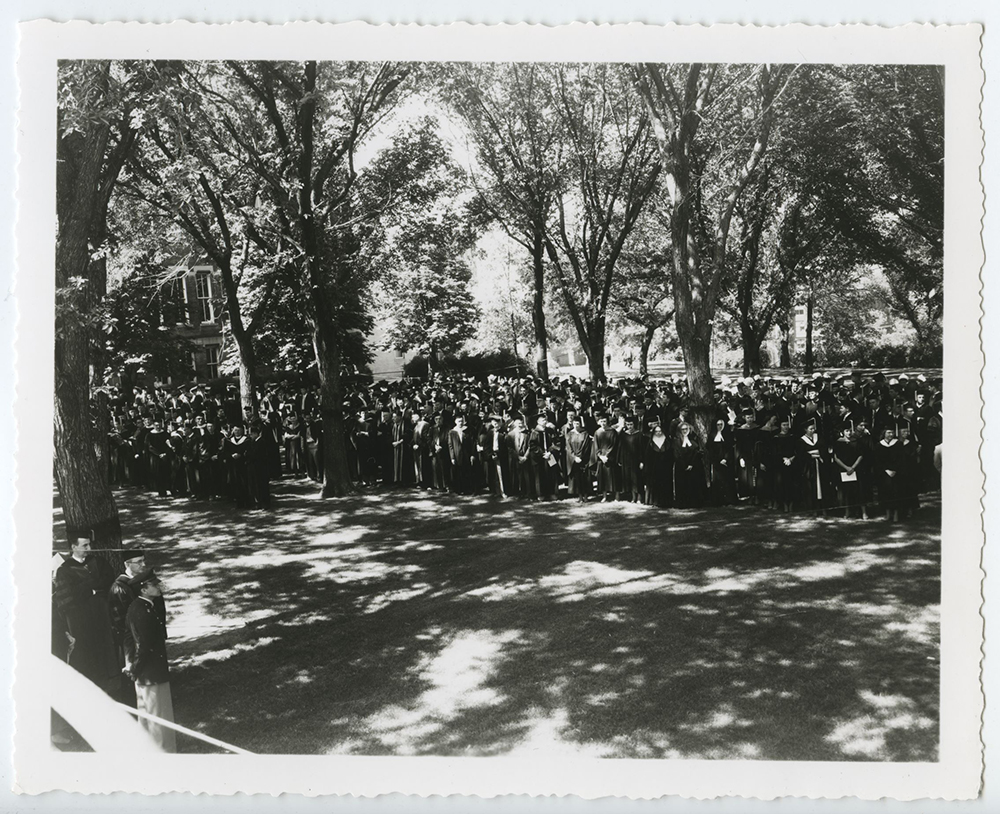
(576,408)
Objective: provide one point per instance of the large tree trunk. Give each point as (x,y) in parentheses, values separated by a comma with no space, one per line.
(321,278)
(751,349)
(336,474)
(786,357)
(88,504)
(248,376)
(701,408)
(538,309)
(595,347)
(647,341)
(809,333)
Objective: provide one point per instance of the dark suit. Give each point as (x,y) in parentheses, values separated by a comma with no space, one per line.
(146,652)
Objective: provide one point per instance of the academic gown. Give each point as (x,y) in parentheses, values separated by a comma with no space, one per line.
(658,471)
(689,476)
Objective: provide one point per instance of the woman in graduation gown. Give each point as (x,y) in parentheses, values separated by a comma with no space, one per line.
(578,459)
(886,474)
(847,460)
(658,468)
(605,448)
(908,477)
(630,452)
(783,466)
(689,474)
(722,462)
(763,460)
(810,455)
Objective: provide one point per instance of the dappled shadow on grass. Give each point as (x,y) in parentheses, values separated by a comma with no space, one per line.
(405,623)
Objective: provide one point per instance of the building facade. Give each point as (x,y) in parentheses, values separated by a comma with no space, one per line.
(192,308)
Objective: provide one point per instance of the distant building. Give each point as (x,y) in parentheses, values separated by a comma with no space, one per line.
(191,305)
(386,364)
(797,340)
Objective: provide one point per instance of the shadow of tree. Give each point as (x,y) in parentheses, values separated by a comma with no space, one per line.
(400,623)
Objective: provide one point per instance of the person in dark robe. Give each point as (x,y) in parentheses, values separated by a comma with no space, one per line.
(908,479)
(442,454)
(689,473)
(577,447)
(543,456)
(192,464)
(931,437)
(784,468)
(141,476)
(763,462)
(423,451)
(866,470)
(82,584)
(604,458)
(811,457)
(520,466)
(292,438)
(745,438)
(382,445)
(364,448)
(313,440)
(402,450)
(258,469)
(630,451)
(158,457)
(847,460)
(237,447)
(886,465)
(176,443)
(460,453)
(206,452)
(493,454)
(722,461)
(658,468)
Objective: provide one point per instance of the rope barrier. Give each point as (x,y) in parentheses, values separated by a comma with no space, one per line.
(184,730)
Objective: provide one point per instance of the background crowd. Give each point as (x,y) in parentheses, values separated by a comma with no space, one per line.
(850,443)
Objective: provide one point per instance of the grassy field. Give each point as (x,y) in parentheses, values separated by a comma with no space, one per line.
(404,623)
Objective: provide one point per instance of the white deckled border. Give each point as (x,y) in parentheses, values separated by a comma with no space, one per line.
(956,776)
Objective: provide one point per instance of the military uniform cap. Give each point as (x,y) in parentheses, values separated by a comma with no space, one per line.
(144,576)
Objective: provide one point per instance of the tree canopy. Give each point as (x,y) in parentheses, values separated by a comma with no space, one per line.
(698,202)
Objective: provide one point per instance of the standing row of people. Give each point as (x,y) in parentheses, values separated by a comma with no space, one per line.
(772,441)
(112,629)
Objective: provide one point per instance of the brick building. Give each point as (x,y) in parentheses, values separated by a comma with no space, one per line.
(191,305)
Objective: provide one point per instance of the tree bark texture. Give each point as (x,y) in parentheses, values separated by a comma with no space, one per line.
(88,503)
(538,308)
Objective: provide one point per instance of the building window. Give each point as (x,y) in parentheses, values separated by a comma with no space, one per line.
(203,286)
(212,361)
(399,353)
(173,297)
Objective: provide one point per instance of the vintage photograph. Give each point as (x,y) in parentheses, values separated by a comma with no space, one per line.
(564,409)
(467,409)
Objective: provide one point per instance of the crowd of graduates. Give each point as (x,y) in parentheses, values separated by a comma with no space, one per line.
(856,444)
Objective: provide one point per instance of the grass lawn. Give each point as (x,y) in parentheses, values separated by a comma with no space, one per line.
(406,623)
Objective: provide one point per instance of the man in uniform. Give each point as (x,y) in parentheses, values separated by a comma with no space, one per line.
(120,599)
(146,658)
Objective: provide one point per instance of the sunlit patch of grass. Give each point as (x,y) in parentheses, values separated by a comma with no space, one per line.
(868,734)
